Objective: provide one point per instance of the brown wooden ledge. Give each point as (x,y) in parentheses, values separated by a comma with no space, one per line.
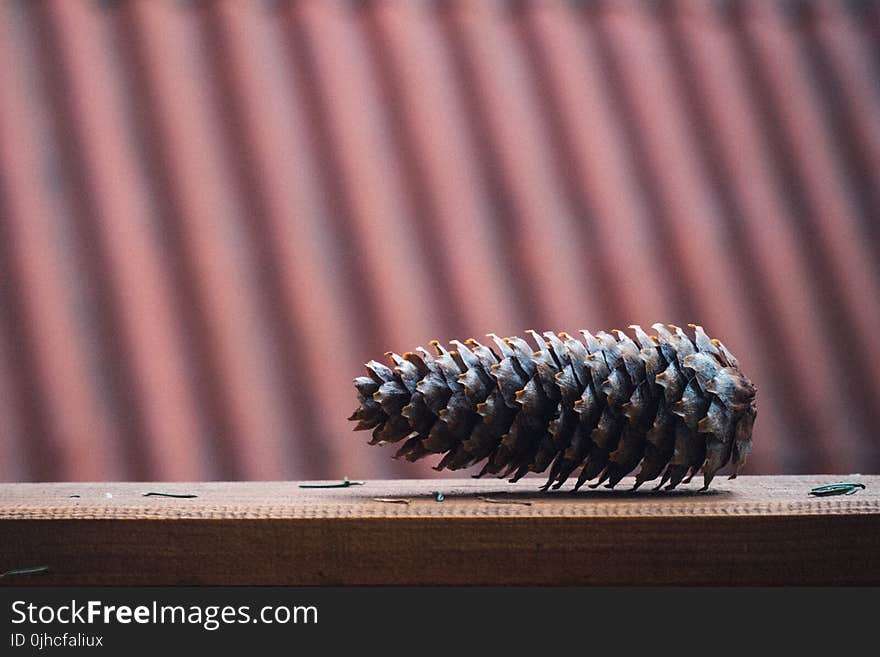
(752,530)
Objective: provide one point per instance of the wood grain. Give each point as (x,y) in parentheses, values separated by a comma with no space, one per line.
(750,531)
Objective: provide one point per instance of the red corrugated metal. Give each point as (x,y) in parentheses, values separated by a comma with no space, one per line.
(763,237)
(126,254)
(212,213)
(77,434)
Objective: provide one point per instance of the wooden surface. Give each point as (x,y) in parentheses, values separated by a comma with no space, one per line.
(752,530)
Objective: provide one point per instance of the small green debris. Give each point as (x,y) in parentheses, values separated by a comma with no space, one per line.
(33,570)
(438,496)
(345,483)
(842,488)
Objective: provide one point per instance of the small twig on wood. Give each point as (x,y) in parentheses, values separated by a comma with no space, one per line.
(182,495)
(33,570)
(345,483)
(391,500)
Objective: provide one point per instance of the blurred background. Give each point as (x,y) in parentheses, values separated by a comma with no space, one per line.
(213,213)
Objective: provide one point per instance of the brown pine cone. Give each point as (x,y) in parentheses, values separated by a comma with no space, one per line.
(673,403)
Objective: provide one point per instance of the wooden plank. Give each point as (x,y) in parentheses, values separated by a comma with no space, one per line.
(750,531)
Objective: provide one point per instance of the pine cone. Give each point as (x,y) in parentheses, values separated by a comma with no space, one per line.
(672,403)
